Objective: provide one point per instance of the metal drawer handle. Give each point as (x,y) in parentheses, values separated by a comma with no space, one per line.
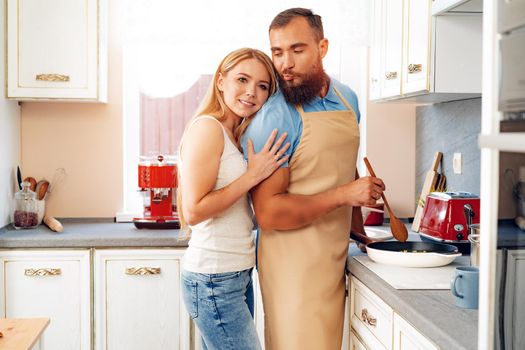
(143,271)
(368,319)
(415,68)
(52,77)
(391,75)
(42,272)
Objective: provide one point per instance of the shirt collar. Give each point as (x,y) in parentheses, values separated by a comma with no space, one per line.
(331,96)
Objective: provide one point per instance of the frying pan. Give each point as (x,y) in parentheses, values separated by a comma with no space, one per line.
(409,254)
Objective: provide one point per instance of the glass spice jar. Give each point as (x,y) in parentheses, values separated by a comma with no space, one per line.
(25,210)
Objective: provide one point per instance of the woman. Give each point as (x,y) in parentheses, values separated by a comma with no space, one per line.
(215,179)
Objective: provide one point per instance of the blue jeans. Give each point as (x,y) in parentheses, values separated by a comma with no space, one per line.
(221,305)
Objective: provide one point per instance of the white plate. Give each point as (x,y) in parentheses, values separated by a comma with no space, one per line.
(378,234)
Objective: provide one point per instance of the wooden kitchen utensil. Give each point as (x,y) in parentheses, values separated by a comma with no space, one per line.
(32,181)
(398,228)
(41,189)
(429,184)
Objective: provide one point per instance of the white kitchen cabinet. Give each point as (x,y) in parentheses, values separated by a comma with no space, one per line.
(355,343)
(54,284)
(406,337)
(375,325)
(376,58)
(423,58)
(138,303)
(392,36)
(457,6)
(513,307)
(258,308)
(416,46)
(57,50)
(370,316)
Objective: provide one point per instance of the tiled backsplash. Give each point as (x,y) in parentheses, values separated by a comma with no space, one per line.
(453,128)
(450,128)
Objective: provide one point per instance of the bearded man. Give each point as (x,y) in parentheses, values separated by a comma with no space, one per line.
(304,210)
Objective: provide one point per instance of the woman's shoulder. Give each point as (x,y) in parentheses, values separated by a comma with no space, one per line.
(205,124)
(205,131)
(206,120)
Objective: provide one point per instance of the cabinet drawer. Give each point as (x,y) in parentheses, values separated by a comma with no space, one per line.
(370,314)
(366,340)
(355,343)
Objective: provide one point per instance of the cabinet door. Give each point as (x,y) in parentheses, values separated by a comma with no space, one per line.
(138,302)
(54,284)
(55,49)
(514,309)
(416,46)
(391,46)
(407,337)
(376,58)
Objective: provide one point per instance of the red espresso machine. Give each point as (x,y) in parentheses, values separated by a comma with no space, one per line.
(158,183)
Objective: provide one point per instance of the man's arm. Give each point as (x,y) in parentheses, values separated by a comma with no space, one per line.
(275,208)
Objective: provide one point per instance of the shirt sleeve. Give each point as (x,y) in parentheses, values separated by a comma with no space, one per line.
(275,114)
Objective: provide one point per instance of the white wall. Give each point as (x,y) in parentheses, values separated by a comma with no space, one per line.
(9,140)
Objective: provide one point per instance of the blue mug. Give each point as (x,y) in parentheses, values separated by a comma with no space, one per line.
(465,286)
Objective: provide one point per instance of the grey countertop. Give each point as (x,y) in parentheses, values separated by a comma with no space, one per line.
(432,312)
(509,235)
(90,233)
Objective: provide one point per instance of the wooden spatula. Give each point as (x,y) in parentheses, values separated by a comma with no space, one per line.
(398,228)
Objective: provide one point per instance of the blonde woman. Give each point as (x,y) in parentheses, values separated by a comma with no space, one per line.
(215,180)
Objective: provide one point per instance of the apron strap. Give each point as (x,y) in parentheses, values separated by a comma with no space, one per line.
(343,99)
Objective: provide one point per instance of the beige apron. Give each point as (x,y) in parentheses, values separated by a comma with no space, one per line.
(301,272)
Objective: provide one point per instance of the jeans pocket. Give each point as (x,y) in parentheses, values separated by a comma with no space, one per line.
(221,277)
(189,295)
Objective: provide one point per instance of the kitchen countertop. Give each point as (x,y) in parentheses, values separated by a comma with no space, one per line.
(432,312)
(90,233)
(509,235)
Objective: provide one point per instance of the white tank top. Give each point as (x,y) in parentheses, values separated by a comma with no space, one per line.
(223,243)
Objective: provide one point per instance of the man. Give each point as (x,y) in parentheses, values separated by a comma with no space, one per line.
(304,210)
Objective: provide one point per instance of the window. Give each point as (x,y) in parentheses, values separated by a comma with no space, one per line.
(171,50)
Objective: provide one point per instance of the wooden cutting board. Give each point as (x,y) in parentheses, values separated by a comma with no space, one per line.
(21,334)
(428,185)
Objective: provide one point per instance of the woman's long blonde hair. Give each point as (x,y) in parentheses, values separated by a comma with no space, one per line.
(213,103)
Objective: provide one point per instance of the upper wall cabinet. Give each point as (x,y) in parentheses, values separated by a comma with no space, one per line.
(416,57)
(57,50)
(451,6)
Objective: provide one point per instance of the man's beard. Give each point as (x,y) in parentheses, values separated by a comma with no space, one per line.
(307,90)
